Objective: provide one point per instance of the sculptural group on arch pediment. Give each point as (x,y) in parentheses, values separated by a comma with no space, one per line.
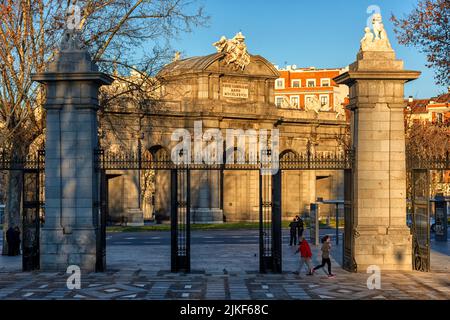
(235,50)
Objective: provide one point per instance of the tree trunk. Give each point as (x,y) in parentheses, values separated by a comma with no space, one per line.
(13,204)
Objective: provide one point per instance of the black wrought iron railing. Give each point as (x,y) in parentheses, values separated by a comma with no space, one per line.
(34,161)
(428,162)
(291,161)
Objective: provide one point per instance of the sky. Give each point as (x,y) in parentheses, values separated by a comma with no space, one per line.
(319,33)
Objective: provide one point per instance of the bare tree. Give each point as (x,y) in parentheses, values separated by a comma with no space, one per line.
(426,140)
(128,34)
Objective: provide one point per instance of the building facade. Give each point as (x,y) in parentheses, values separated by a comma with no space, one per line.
(310,89)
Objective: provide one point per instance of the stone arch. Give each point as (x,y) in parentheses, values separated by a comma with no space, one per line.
(158,152)
(288,154)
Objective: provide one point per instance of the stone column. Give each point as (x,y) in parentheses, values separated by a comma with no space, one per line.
(162,192)
(69,235)
(380,234)
(133,206)
(208,210)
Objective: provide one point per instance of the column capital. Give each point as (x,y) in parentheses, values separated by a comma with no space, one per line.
(351,77)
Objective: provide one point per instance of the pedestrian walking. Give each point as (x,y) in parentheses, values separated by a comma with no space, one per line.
(326,248)
(17,241)
(300,227)
(11,239)
(293,232)
(305,256)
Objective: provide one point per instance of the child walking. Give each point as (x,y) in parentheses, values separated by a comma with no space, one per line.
(326,248)
(305,256)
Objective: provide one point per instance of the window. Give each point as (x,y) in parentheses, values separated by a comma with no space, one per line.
(325,82)
(311,83)
(279,101)
(279,84)
(309,99)
(324,101)
(439,117)
(295,101)
(295,83)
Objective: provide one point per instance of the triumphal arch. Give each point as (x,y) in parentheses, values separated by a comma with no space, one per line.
(229,89)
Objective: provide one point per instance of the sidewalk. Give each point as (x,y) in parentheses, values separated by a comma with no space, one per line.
(219,272)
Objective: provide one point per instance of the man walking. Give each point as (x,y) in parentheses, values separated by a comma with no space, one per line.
(300,227)
(293,232)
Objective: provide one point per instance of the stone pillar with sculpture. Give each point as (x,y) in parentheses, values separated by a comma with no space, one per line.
(69,235)
(376,80)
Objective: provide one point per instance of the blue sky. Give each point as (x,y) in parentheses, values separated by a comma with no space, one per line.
(321,33)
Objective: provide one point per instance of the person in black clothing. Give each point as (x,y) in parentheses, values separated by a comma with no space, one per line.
(11,239)
(300,227)
(17,241)
(293,230)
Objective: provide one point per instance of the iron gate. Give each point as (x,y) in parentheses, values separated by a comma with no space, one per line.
(270,215)
(102,207)
(270,236)
(349,262)
(419,168)
(421,220)
(32,206)
(180,220)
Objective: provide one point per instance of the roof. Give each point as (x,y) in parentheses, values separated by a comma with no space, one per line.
(418,106)
(205,63)
(443,98)
(190,64)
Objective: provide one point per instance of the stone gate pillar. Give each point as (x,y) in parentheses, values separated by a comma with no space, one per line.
(376,81)
(69,235)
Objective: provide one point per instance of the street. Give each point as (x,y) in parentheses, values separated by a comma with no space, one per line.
(198,237)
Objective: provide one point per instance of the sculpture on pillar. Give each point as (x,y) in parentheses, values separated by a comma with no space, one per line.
(235,50)
(71,40)
(378,40)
